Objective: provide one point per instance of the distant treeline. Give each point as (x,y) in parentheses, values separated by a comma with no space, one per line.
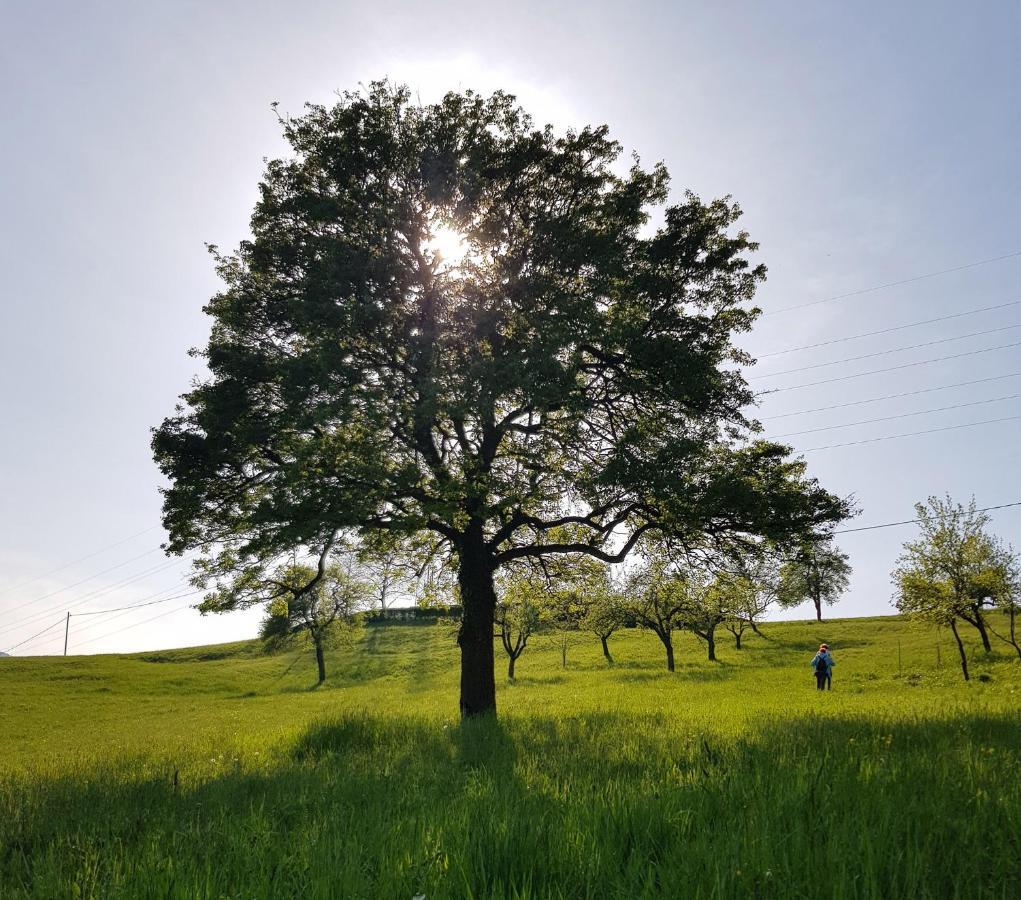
(414,615)
(411,615)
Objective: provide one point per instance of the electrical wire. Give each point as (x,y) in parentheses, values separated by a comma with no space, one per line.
(913,521)
(909,415)
(847,359)
(945,387)
(891,437)
(121,610)
(73,562)
(34,636)
(103,612)
(865,334)
(890,284)
(90,577)
(921,362)
(128,611)
(162,615)
(92,595)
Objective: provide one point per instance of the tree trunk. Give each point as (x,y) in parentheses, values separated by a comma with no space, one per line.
(1012,630)
(478,600)
(737,640)
(320,660)
(668,644)
(755,627)
(606,649)
(980,624)
(563,655)
(510,668)
(817,600)
(710,639)
(960,649)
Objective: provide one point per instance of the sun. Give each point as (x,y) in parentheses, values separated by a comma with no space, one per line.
(448,244)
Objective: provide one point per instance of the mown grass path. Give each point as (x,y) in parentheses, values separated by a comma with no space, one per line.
(216,772)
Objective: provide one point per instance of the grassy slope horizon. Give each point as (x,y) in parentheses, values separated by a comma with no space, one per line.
(378,663)
(220,771)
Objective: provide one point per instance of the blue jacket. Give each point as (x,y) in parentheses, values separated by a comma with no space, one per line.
(826,656)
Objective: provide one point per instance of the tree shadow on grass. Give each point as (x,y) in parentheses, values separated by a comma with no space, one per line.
(808,646)
(599,804)
(521,681)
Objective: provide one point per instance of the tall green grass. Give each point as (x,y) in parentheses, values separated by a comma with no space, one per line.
(216,773)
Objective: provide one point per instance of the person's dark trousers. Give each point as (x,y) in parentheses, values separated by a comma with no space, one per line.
(820,681)
(829,681)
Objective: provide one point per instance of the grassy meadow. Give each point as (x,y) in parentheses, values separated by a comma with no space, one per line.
(220,772)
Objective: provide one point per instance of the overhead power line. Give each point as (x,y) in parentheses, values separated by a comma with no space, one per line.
(847,359)
(120,610)
(90,577)
(127,611)
(908,415)
(103,612)
(74,562)
(892,437)
(921,362)
(92,595)
(944,387)
(914,521)
(133,625)
(37,634)
(866,334)
(890,284)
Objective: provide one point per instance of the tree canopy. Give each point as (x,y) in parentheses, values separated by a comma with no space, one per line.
(955,570)
(816,571)
(569,365)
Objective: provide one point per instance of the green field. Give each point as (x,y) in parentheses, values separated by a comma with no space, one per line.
(219,772)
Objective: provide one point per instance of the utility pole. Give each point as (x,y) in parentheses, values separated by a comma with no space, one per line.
(67,628)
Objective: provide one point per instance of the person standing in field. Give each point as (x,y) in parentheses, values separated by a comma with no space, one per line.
(822,665)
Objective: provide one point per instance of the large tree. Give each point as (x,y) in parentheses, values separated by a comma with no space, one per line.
(448,320)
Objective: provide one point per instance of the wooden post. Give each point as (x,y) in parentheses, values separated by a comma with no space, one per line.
(67,628)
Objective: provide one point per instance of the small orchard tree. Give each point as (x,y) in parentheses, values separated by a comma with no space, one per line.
(605,614)
(567,610)
(574,583)
(1003,583)
(707,607)
(816,571)
(656,596)
(955,570)
(930,601)
(435,582)
(519,614)
(955,550)
(736,598)
(755,587)
(450,321)
(1010,606)
(298,599)
(390,567)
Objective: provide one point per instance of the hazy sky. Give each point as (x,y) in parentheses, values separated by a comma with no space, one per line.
(867,143)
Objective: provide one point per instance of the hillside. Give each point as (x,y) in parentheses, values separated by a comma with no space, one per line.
(171,769)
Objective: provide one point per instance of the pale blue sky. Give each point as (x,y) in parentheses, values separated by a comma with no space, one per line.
(867,143)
